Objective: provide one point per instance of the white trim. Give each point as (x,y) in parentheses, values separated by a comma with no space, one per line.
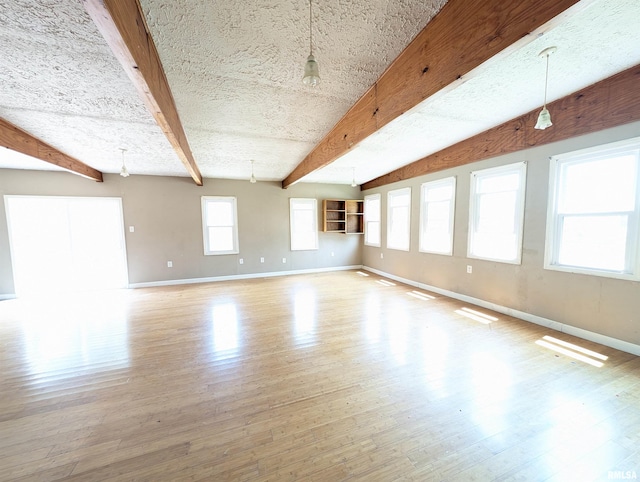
(538,320)
(368,199)
(554,218)
(390,195)
(424,188)
(232,277)
(204,206)
(296,203)
(8,296)
(521,169)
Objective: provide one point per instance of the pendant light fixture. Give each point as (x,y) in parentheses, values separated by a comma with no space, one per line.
(544,118)
(353,182)
(252,179)
(123,171)
(311,72)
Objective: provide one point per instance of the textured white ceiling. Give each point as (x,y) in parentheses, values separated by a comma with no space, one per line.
(235,71)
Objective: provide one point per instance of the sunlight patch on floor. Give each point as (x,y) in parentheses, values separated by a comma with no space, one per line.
(570,353)
(476,315)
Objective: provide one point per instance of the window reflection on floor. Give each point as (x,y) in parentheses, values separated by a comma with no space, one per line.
(398,334)
(435,345)
(225,339)
(66,333)
(492,387)
(304,312)
(372,324)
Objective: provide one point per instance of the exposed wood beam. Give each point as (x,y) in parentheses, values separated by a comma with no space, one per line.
(462,36)
(123,26)
(609,103)
(14,138)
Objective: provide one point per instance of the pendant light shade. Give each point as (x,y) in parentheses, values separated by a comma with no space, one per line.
(544,118)
(353,182)
(123,171)
(311,71)
(252,179)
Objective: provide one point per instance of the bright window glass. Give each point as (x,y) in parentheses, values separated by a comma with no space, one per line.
(372,220)
(496,213)
(304,223)
(437,208)
(220,225)
(399,219)
(593,211)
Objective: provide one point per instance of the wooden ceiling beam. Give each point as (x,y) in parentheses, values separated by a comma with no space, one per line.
(461,37)
(123,25)
(609,103)
(16,139)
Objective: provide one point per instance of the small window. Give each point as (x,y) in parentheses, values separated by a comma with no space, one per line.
(304,223)
(220,225)
(399,219)
(594,212)
(372,220)
(437,207)
(496,213)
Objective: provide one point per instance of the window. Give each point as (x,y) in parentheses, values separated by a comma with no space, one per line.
(593,212)
(372,220)
(437,206)
(220,225)
(496,213)
(399,218)
(304,223)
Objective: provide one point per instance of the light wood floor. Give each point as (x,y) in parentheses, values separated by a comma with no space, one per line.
(325,377)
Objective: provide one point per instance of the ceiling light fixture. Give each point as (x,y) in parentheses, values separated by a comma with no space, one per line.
(311,72)
(252,179)
(123,171)
(544,118)
(353,182)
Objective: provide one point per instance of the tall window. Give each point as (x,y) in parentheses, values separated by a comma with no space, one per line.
(372,220)
(303,217)
(594,211)
(220,225)
(399,219)
(437,206)
(496,213)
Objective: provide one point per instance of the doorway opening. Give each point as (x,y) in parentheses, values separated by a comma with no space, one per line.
(66,244)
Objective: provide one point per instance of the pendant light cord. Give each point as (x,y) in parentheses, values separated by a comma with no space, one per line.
(546,82)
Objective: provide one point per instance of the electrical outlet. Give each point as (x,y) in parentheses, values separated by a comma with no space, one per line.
(469,269)
(262,260)
(381,256)
(131,229)
(284,260)
(241,261)
(169,264)
(332,253)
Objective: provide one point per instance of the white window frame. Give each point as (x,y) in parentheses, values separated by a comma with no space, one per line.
(372,218)
(294,204)
(390,221)
(424,213)
(519,168)
(205,200)
(555,218)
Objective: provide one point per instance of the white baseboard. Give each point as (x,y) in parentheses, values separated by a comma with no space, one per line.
(538,320)
(7,296)
(240,276)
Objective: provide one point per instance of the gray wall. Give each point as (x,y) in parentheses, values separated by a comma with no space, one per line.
(166,214)
(602,305)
